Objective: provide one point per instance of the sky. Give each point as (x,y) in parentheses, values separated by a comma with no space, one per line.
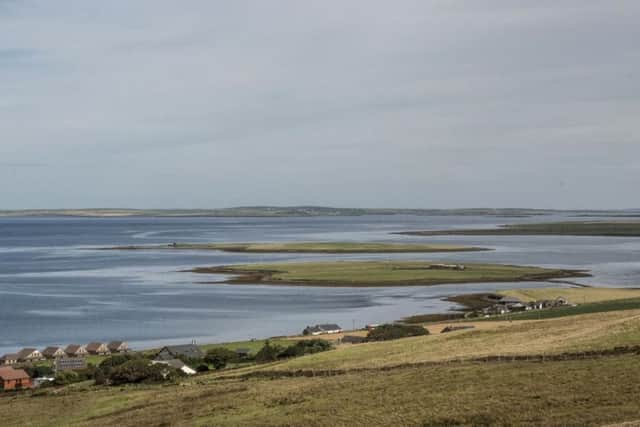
(357,103)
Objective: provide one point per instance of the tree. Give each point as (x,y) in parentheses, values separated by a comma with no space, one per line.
(141,371)
(395,331)
(303,347)
(219,357)
(268,353)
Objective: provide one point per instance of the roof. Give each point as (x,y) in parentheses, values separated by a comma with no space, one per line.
(187,350)
(116,344)
(26,352)
(72,348)
(13,374)
(329,327)
(94,346)
(10,356)
(324,327)
(49,351)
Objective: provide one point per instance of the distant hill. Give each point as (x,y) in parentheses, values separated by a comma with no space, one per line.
(299,211)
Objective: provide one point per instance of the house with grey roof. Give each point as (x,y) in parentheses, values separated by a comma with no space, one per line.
(327,328)
(189,351)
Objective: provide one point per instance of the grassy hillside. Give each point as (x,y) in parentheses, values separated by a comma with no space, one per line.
(578,392)
(309,247)
(569,228)
(380,273)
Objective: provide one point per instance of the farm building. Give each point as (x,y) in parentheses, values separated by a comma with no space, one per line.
(14,379)
(330,328)
(190,351)
(53,352)
(97,348)
(29,355)
(118,347)
(9,359)
(76,350)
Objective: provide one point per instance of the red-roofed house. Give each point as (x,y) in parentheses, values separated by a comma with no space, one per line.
(14,379)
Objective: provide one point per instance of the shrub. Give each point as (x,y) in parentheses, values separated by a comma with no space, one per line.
(203,368)
(268,353)
(303,347)
(66,377)
(219,357)
(39,371)
(116,360)
(141,371)
(395,331)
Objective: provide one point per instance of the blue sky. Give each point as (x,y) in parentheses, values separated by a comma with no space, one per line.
(147,103)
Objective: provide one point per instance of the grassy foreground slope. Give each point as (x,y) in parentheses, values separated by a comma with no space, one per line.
(572,393)
(310,247)
(569,228)
(587,392)
(381,273)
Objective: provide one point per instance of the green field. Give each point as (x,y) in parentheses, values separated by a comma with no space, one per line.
(568,228)
(380,273)
(310,247)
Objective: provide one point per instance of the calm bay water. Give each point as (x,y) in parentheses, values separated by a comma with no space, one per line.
(57,288)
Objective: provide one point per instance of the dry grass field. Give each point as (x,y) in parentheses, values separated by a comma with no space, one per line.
(571,393)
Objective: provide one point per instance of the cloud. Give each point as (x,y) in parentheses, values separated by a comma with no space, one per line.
(422,104)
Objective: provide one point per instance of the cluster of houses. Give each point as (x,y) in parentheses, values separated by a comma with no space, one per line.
(27,355)
(66,358)
(508,304)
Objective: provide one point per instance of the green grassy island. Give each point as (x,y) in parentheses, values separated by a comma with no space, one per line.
(310,247)
(382,273)
(568,228)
